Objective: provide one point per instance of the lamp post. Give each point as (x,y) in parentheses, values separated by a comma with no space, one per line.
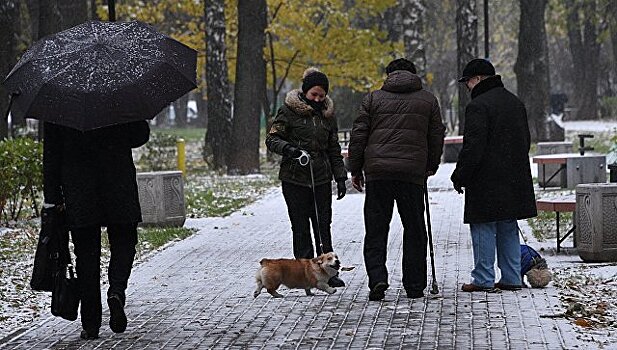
(111,5)
(486,29)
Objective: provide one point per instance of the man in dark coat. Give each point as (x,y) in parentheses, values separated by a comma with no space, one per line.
(92,174)
(306,126)
(397,141)
(493,167)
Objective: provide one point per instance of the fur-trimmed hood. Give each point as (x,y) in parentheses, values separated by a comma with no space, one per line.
(295,103)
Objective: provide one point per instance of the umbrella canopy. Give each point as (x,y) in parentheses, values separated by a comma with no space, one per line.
(98,74)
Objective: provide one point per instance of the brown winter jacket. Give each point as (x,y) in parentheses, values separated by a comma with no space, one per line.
(399,133)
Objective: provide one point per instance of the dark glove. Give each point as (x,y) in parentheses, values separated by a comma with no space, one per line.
(456,183)
(458,187)
(291,151)
(341,189)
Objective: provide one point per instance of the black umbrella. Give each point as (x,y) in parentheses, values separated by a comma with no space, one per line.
(101,73)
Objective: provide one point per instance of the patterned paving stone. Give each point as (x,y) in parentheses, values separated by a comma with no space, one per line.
(197,294)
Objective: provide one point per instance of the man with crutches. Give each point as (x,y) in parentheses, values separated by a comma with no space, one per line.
(396,143)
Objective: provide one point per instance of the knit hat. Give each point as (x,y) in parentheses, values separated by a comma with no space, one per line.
(313,77)
(401,64)
(475,67)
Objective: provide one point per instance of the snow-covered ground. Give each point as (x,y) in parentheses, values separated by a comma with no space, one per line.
(586,125)
(589,289)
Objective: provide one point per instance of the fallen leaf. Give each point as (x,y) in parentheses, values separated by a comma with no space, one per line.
(583,323)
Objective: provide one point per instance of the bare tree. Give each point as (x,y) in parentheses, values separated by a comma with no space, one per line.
(612,21)
(180,110)
(531,68)
(50,17)
(73,12)
(250,80)
(584,26)
(466,49)
(9,27)
(218,133)
(413,17)
(278,78)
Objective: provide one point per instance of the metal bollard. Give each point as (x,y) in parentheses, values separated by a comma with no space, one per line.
(181,147)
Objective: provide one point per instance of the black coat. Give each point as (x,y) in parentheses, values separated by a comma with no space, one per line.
(93,173)
(299,125)
(493,165)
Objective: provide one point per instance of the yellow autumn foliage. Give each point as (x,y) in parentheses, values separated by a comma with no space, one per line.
(338,39)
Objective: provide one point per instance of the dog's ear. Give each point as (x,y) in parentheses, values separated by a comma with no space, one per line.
(318,260)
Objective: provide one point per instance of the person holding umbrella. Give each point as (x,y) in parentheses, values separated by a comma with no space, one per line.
(305,132)
(93,176)
(94,86)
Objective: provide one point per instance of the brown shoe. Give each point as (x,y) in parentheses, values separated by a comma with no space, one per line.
(503,286)
(470,287)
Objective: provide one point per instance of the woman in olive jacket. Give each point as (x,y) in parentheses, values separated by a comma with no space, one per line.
(92,175)
(305,125)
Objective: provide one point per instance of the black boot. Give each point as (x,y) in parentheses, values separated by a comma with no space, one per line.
(89,334)
(335,281)
(117,317)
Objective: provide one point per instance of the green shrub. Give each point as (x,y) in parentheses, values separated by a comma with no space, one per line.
(544,226)
(21,176)
(159,153)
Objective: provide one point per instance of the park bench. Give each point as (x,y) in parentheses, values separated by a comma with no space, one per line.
(580,169)
(561,204)
(555,147)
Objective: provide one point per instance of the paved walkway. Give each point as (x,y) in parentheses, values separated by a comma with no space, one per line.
(198,294)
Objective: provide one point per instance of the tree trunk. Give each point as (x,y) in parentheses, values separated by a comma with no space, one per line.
(218,134)
(180,109)
(583,27)
(33,12)
(162,117)
(612,15)
(202,106)
(413,13)
(9,29)
(92,9)
(50,18)
(466,50)
(250,80)
(73,12)
(531,69)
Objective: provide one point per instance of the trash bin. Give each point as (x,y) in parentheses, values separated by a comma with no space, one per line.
(613,172)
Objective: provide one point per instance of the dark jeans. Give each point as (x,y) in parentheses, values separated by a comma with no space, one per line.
(378,207)
(87,242)
(301,208)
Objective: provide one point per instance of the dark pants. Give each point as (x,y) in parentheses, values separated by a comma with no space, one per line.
(87,242)
(301,208)
(378,207)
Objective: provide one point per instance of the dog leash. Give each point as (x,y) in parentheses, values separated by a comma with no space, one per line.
(305,159)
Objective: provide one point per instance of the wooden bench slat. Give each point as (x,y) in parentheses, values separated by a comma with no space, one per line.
(560,204)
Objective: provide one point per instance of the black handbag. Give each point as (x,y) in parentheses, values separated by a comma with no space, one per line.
(65,294)
(52,251)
